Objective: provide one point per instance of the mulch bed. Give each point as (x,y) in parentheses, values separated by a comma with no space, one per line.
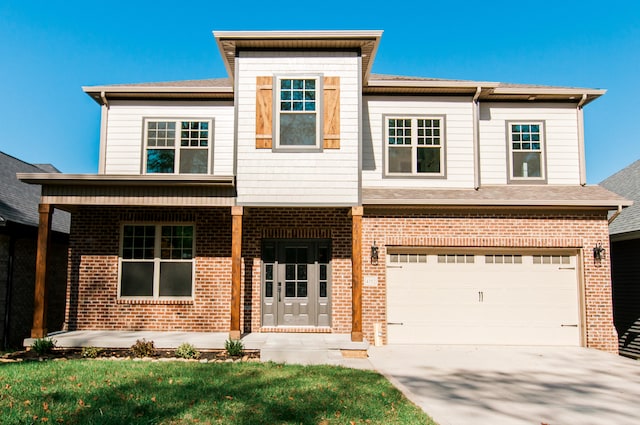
(57,354)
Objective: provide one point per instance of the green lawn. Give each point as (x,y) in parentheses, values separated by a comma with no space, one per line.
(127,392)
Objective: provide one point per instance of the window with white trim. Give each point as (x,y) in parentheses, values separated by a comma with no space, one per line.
(156,261)
(414,146)
(526,151)
(178,146)
(298,123)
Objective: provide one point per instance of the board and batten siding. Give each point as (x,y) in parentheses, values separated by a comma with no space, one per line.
(125,139)
(561,140)
(266,176)
(458,122)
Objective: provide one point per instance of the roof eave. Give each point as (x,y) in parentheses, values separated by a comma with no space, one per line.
(125,179)
(227,43)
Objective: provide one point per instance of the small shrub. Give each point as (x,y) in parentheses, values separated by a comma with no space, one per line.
(90,352)
(234,347)
(187,351)
(143,348)
(43,345)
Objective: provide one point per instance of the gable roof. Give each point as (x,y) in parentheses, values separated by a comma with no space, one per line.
(19,201)
(626,182)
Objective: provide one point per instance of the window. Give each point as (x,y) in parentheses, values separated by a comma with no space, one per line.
(156,261)
(526,151)
(176,146)
(415,146)
(298,122)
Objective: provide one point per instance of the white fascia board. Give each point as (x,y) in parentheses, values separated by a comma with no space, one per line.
(155,89)
(300,35)
(548,90)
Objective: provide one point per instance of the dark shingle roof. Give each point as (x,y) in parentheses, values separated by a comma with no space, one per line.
(19,201)
(626,182)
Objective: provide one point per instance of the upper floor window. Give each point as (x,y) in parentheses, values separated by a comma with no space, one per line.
(526,151)
(156,261)
(415,146)
(298,121)
(178,147)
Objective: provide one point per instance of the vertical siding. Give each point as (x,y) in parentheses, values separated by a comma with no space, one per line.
(561,142)
(123,153)
(290,178)
(458,138)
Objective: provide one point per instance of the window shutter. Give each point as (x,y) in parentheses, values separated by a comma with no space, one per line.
(331,119)
(264,112)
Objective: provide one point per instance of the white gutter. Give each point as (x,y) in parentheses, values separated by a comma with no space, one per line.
(615,214)
(476,139)
(581,155)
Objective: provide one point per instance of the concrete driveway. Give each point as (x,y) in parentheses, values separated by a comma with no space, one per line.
(514,385)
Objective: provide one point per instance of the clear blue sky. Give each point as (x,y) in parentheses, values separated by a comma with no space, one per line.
(49,49)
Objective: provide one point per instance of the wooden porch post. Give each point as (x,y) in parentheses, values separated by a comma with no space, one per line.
(39,329)
(236,270)
(356,273)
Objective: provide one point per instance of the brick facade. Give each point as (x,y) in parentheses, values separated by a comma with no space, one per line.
(92,293)
(570,230)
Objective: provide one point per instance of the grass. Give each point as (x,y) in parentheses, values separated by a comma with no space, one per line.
(127,392)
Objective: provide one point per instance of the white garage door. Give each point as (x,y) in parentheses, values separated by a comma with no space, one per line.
(492,298)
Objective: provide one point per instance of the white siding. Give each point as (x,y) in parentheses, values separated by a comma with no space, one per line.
(298,178)
(561,141)
(459,162)
(124,144)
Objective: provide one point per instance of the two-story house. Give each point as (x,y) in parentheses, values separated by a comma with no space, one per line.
(303,193)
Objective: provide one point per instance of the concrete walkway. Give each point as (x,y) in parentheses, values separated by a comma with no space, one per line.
(515,385)
(292,348)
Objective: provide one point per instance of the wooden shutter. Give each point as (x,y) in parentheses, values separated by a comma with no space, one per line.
(331,119)
(264,112)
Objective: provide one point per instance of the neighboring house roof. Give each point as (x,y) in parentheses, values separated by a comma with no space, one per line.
(514,195)
(19,201)
(626,182)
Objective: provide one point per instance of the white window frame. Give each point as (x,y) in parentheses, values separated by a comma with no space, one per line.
(157,260)
(318,112)
(414,146)
(177,148)
(543,153)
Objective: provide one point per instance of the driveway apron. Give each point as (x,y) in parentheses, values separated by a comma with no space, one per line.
(514,385)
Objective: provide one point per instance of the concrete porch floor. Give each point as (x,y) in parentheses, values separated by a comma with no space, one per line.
(293,348)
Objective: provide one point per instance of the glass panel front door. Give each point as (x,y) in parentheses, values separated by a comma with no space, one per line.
(295,283)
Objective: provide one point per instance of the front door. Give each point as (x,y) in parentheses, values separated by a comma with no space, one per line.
(295,283)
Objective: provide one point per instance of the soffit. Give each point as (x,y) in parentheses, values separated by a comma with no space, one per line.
(230,42)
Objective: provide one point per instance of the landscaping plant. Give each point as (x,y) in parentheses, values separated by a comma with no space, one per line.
(234,347)
(43,345)
(187,351)
(143,348)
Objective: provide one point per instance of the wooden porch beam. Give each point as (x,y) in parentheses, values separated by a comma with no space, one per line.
(236,270)
(356,273)
(39,329)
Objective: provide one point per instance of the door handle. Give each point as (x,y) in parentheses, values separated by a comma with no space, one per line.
(480,296)
(568,326)
(279,290)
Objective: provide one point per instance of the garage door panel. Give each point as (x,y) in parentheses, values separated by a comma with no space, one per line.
(477,302)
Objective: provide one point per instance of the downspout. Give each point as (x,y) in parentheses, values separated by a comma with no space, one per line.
(615,214)
(7,302)
(476,139)
(104,120)
(581,157)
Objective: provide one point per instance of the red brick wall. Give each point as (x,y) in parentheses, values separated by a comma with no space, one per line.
(92,293)
(495,229)
(93,272)
(292,223)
